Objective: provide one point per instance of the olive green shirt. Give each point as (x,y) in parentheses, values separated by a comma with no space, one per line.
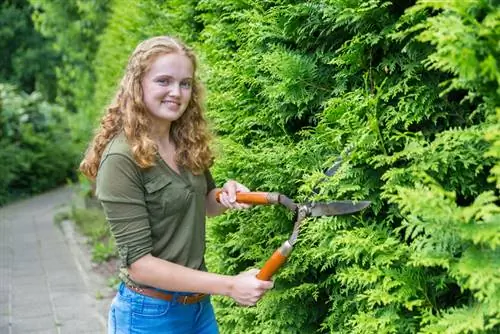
(153,210)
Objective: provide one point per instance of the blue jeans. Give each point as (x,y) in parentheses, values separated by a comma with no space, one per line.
(133,313)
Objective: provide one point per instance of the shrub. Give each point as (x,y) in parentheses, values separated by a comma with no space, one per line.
(36,143)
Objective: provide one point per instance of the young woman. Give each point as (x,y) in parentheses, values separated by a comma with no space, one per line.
(150,159)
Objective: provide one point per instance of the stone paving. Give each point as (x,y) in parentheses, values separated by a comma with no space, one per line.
(46,279)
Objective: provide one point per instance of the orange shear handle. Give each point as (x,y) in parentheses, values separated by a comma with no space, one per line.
(275,262)
(251,197)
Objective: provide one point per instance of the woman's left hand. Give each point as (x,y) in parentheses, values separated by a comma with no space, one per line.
(228,195)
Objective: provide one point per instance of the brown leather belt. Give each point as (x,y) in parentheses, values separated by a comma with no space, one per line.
(183,299)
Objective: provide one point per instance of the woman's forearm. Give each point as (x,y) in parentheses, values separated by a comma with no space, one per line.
(161,274)
(214,208)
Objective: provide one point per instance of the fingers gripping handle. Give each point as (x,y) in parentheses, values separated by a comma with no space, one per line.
(275,262)
(252,197)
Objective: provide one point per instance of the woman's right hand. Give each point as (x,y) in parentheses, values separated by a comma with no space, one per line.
(248,289)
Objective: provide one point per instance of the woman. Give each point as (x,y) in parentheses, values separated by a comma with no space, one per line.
(150,159)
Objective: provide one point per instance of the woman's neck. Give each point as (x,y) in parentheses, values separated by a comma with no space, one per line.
(160,133)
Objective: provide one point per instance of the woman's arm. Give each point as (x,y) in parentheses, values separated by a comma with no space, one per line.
(244,288)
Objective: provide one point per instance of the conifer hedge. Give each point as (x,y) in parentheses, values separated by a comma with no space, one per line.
(407,95)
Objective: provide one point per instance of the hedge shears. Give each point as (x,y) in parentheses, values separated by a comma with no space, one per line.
(301,211)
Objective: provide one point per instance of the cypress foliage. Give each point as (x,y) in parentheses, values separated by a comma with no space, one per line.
(413,90)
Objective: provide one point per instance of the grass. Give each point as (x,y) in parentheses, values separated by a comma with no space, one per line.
(92,223)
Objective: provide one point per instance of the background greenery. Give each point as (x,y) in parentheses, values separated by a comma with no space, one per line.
(36,148)
(407,93)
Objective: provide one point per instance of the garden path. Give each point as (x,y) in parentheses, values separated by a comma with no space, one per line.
(47,283)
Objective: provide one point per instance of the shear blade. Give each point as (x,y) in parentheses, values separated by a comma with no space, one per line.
(337,208)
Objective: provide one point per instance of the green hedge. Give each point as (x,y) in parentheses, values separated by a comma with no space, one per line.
(412,90)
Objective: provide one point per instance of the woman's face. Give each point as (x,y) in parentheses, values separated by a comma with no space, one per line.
(167,86)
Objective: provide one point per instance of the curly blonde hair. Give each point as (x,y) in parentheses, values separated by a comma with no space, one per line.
(129,114)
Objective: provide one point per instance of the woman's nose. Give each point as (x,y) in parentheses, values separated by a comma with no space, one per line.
(175,89)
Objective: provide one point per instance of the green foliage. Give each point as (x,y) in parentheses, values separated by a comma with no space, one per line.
(402,90)
(469,49)
(73,26)
(26,59)
(29,129)
(127,26)
(104,251)
(92,224)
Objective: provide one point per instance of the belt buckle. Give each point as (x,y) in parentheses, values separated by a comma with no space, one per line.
(184,299)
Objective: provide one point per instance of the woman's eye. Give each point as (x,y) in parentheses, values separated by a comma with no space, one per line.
(186,84)
(165,81)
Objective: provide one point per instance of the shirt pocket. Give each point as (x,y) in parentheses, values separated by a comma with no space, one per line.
(164,197)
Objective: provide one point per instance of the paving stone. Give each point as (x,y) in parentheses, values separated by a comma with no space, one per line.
(29,281)
(80,326)
(65,263)
(34,268)
(5,329)
(62,277)
(4,296)
(4,321)
(4,310)
(31,311)
(61,300)
(31,300)
(22,267)
(49,249)
(48,331)
(69,288)
(74,313)
(20,291)
(35,324)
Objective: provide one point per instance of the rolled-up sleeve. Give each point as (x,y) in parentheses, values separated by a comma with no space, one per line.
(120,189)
(210,181)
